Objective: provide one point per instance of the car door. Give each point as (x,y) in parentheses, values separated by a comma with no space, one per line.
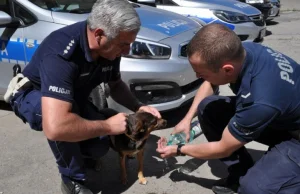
(12,46)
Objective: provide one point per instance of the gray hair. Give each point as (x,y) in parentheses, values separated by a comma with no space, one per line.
(113,16)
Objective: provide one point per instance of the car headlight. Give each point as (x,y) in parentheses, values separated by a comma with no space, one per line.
(231,17)
(141,49)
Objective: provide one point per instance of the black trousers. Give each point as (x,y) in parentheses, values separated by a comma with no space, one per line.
(278,171)
(69,155)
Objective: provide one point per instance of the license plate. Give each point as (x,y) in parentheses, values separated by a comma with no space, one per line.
(262,33)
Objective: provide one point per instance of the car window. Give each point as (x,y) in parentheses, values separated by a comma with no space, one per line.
(18,13)
(4,6)
(165,2)
(70,6)
(24,15)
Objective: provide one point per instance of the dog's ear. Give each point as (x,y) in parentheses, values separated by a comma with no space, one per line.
(131,122)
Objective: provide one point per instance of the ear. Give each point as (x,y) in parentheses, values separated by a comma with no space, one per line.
(98,33)
(228,69)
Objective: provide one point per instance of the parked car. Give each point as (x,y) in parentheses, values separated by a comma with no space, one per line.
(156,69)
(263,5)
(275,11)
(246,21)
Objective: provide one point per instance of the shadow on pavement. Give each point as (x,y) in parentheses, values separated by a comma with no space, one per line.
(5,106)
(271,23)
(218,169)
(108,181)
(268,33)
(177,176)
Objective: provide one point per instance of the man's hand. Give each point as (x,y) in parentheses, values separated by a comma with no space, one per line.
(183,126)
(151,110)
(117,124)
(164,150)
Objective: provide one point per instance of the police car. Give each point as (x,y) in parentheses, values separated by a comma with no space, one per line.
(246,21)
(156,69)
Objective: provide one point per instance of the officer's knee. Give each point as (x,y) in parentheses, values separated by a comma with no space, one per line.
(248,185)
(203,104)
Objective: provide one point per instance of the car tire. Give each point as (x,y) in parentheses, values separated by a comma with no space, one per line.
(98,98)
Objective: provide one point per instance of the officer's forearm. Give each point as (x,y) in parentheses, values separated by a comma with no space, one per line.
(214,150)
(73,128)
(209,150)
(60,124)
(204,91)
(122,95)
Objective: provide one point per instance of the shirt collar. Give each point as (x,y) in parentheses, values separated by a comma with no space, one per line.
(84,44)
(247,64)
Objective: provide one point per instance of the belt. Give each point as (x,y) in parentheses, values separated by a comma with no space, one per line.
(19,82)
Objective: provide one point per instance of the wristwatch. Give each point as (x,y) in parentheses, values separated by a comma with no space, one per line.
(179,150)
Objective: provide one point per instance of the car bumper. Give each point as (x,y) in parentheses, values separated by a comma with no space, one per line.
(275,11)
(250,31)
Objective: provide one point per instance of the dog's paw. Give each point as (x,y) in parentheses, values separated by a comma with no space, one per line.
(143,181)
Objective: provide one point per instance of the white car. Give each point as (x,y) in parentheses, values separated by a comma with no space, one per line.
(156,69)
(246,21)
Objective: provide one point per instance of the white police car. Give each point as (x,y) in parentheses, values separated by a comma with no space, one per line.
(246,21)
(156,69)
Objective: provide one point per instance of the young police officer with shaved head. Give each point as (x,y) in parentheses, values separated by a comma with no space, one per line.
(68,64)
(266,109)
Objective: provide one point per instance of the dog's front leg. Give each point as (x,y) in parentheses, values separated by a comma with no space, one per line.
(123,169)
(140,156)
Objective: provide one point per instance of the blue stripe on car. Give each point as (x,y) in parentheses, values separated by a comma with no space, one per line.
(217,21)
(12,51)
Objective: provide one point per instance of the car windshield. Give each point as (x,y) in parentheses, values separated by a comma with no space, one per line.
(69,6)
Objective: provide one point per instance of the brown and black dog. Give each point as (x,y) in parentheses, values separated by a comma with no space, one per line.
(139,127)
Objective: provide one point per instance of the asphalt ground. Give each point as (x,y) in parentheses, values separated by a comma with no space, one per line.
(28,166)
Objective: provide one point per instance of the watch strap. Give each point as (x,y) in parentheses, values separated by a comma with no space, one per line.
(179,153)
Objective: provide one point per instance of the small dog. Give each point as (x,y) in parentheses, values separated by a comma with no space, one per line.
(131,143)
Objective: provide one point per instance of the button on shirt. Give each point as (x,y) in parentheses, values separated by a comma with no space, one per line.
(62,66)
(267,93)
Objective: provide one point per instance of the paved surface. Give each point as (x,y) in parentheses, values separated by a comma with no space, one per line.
(290,5)
(27,164)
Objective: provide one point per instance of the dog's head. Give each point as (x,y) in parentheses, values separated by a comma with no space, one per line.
(141,124)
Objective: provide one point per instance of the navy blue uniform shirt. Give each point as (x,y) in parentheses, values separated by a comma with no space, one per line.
(268,93)
(62,66)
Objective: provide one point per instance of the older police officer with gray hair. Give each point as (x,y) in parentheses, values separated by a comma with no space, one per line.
(57,82)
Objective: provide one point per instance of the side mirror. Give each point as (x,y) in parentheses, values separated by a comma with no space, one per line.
(5,18)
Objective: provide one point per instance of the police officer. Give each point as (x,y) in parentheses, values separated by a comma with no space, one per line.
(266,109)
(65,68)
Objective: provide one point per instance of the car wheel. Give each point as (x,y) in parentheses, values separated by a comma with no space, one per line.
(98,98)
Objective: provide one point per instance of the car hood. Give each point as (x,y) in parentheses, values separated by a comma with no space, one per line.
(228,5)
(156,24)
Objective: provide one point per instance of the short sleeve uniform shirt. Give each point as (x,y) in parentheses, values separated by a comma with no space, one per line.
(62,66)
(268,93)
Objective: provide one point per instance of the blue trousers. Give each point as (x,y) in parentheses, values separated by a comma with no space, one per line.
(278,171)
(69,155)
